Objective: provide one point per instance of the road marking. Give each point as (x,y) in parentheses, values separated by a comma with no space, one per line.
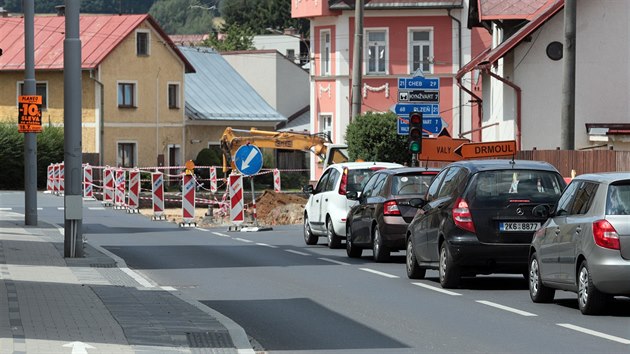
(168,288)
(439,290)
(6,209)
(266,245)
(379,273)
(96,208)
(298,252)
(334,261)
(242,240)
(594,333)
(220,234)
(60,208)
(40,208)
(506,308)
(200,229)
(78,347)
(137,277)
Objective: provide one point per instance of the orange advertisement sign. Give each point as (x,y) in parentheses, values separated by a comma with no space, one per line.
(30,114)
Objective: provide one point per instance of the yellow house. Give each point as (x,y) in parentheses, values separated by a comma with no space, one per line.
(132,86)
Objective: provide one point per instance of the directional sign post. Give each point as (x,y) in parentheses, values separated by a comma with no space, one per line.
(248,160)
(441,148)
(429,124)
(489,149)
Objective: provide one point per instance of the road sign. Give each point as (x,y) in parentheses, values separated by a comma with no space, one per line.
(429,125)
(418,82)
(248,160)
(427,109)
(489,149)
(441,148)
(30,114)
(426,96)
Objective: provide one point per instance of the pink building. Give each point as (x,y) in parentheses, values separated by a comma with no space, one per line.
(400,38)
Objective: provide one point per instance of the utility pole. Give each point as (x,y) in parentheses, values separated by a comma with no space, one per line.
(567,122)
(30,139)
(73,155)
(357,59)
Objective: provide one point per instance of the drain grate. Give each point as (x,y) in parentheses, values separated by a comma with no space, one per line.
(103,265)
(215,339)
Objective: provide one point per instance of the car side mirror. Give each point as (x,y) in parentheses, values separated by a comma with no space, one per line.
(417,202)
(308,189)
(541,211)
(352,195)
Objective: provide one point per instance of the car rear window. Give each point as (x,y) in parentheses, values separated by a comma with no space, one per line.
(618,199)
(359,177)
(523,185)
(411,184)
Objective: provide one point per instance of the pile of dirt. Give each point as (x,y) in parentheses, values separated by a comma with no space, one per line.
(279,208)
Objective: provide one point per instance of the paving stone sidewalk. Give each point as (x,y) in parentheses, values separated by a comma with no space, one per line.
(49,304)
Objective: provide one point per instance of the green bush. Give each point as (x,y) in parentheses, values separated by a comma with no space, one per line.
(373,137)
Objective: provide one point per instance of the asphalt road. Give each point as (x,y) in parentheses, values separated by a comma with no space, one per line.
(296,298)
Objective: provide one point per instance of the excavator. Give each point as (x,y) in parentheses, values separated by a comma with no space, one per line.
(318,143)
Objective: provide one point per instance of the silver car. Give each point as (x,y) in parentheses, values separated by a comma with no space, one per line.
(584,246)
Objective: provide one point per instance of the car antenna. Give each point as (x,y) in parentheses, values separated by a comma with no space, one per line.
(426,166)
(512,162)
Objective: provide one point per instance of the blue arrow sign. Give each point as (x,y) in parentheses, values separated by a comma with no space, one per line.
(429,109)
(248,160)
(418,82)
(430,124)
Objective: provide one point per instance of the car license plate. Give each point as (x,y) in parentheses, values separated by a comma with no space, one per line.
(518,226)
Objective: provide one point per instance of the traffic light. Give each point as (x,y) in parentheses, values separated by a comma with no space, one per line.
(415,133)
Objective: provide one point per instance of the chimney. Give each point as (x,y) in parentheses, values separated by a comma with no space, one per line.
(3,12)
(61,10)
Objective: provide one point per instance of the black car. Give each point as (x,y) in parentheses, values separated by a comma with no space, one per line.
(479,217)
(379,221)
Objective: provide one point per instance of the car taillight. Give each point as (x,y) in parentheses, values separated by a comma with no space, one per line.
(605,235)
(390,207)
(344,181)
(462,216)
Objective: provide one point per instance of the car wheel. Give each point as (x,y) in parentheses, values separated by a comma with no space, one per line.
(352,250)
(413,269)
(449,272)
(333,239)
(590,300)
(309,238)
(537,290)
(380,251)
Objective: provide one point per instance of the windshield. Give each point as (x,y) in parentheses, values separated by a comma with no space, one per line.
(525,185)
(411,184)
(358,178)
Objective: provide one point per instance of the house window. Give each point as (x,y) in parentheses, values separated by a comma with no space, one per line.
(41,89)
(126,95)
(291,54)
(324,64)
(325,124)
(173,96)
(376,51)
(420,51)
(126,155)
(142,43)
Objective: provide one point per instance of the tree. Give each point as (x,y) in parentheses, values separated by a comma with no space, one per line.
(258,15)
(235,38)
(87,6)
(373,137)
(179,17)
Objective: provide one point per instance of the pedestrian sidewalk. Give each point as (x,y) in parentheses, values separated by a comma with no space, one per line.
(95,304)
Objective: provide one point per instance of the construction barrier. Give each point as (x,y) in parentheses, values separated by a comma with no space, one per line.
(236,199)
(188,201)
(276,180)
(61,179)
(119,202)
(88,186)
(56,179)
(50,174)
(213,179)
(157,191)
(108,186)
(133,199)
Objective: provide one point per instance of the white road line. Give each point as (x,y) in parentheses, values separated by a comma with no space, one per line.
(266,245)
(220,234)
(96,208)
(168,288)
(40,208)
(379,273)
(439,290)
(242,240)
(137,277)
(60,208)
(200,229)
(594,333)
(298,252)
(6,209)
(334,261)
(506,308)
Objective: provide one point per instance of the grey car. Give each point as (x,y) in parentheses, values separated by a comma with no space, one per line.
(584,246)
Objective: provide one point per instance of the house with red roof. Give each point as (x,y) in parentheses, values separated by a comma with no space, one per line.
(132,85)
(522,72)
(400,39)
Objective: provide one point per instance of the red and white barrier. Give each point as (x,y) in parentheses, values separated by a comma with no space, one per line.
(108,186)
(133,200)
(61,179)
(236,199)
(157,191)
(276,180)
(50,174)
(119,201)
(188,201)
(88,186)
(213,179)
